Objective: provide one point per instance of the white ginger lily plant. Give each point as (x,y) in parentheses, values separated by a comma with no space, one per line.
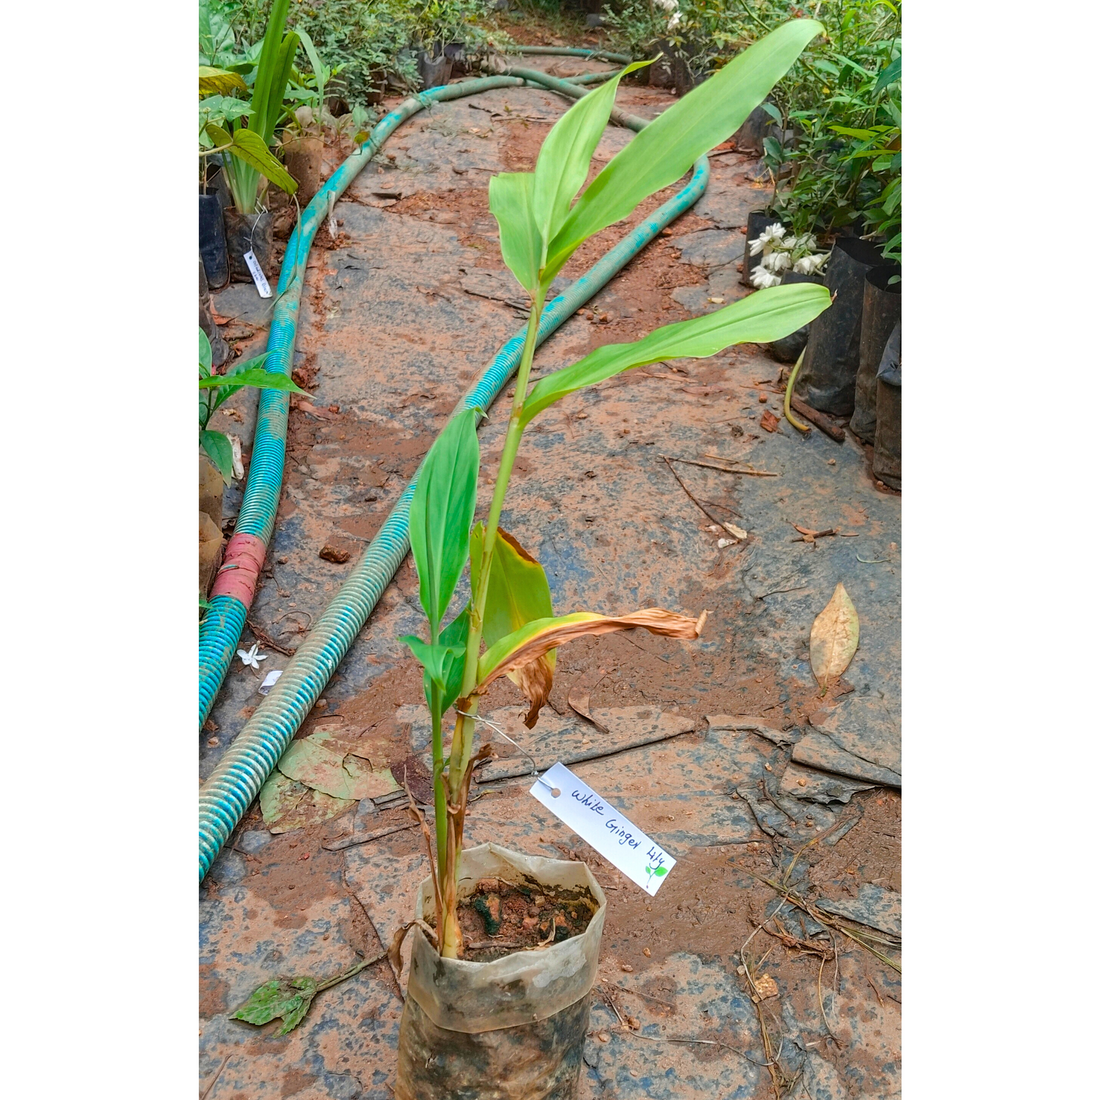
(542,223)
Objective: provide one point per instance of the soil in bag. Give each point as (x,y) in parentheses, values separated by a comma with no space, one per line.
(501,917)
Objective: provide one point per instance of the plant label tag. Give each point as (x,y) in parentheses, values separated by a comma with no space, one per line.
(258,276)
(612,835)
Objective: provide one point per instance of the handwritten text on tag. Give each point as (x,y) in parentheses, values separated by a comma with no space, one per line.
(258,276)
(612,834)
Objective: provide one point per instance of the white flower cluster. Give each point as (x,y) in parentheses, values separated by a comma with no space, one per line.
(673,8)
(780,251)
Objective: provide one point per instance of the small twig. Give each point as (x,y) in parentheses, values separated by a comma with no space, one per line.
(427,834)
(750,472)
(777,591)
(820,420)
(877,994)
(720,469)
(821,1004)
(691,496)
(206,1091)
(264,638)
(353,840)
(872,561)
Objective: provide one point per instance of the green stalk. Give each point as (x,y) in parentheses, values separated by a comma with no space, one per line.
(463,741)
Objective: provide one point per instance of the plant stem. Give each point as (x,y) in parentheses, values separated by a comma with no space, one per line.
(343,976)
(462,742)
(438,784)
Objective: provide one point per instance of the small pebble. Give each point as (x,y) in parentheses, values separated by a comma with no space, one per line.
(212,741)
(627,968)
(768,768)
(762,398)
(646,951)
(832,462)
(802,782)
(603,1037)
(282,559)
(321,704)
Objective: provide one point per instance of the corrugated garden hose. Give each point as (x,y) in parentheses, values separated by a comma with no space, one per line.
(250,759)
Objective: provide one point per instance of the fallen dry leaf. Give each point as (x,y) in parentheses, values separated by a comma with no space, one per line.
(766,987)
(333,554)
(581,704)
(769,421)
(834,638)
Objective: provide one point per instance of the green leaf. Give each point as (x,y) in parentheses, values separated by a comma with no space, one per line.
(218,135)
(220,450)
(773,110)
(517,593)
(511,201)
(760,318)
(454,637)
(432,657)
(250,148)
(288,1000)
(321,71)
(206,356)
(441,512)
(261,379)
(219,81)
(669,145)
(566,153)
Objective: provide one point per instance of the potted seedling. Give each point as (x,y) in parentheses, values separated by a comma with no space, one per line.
(514,1026)
(244,135)
(304,138)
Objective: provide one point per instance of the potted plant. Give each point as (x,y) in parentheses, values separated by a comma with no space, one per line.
(245,132)
(514,1026)
(303,143)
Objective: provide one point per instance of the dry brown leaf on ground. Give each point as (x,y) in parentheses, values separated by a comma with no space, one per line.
(769,421)
(834,638)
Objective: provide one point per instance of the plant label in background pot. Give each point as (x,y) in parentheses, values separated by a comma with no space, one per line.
(258,276)
(611,833)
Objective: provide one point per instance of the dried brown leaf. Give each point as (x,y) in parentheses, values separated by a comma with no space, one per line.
(834,638)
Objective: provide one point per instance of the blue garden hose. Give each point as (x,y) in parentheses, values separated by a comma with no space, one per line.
(574,51)
(235,782)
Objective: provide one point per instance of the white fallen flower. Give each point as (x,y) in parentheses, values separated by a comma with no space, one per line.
(667,5)
(758,246)
(251,659)
(674,22)
(761,277)
(778,262)
(774,232)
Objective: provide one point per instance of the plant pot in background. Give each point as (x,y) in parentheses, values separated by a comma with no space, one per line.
(827,380)
(758,221)
(210,551)
(303,157)
(244,232)
(789,348)
(750,136)
(455,53)
(377,91)
(886,463)
(212,249)
(219,349)
(659,74)
(433,71)
(881,312)
(683,79)
(510,1029)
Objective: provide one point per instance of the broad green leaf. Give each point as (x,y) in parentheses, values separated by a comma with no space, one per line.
(441,512)
(206,356)
(285,999)
(218,135)
(453,636)
(219,81)
(760,318)
(511,201)
(566,153)
(518,593)
(834,638)
(772,110)
(257,376)
(284,62)
(669,145)
(262,87)
(250,148)
(530,642)
(432,657)
(220,450)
